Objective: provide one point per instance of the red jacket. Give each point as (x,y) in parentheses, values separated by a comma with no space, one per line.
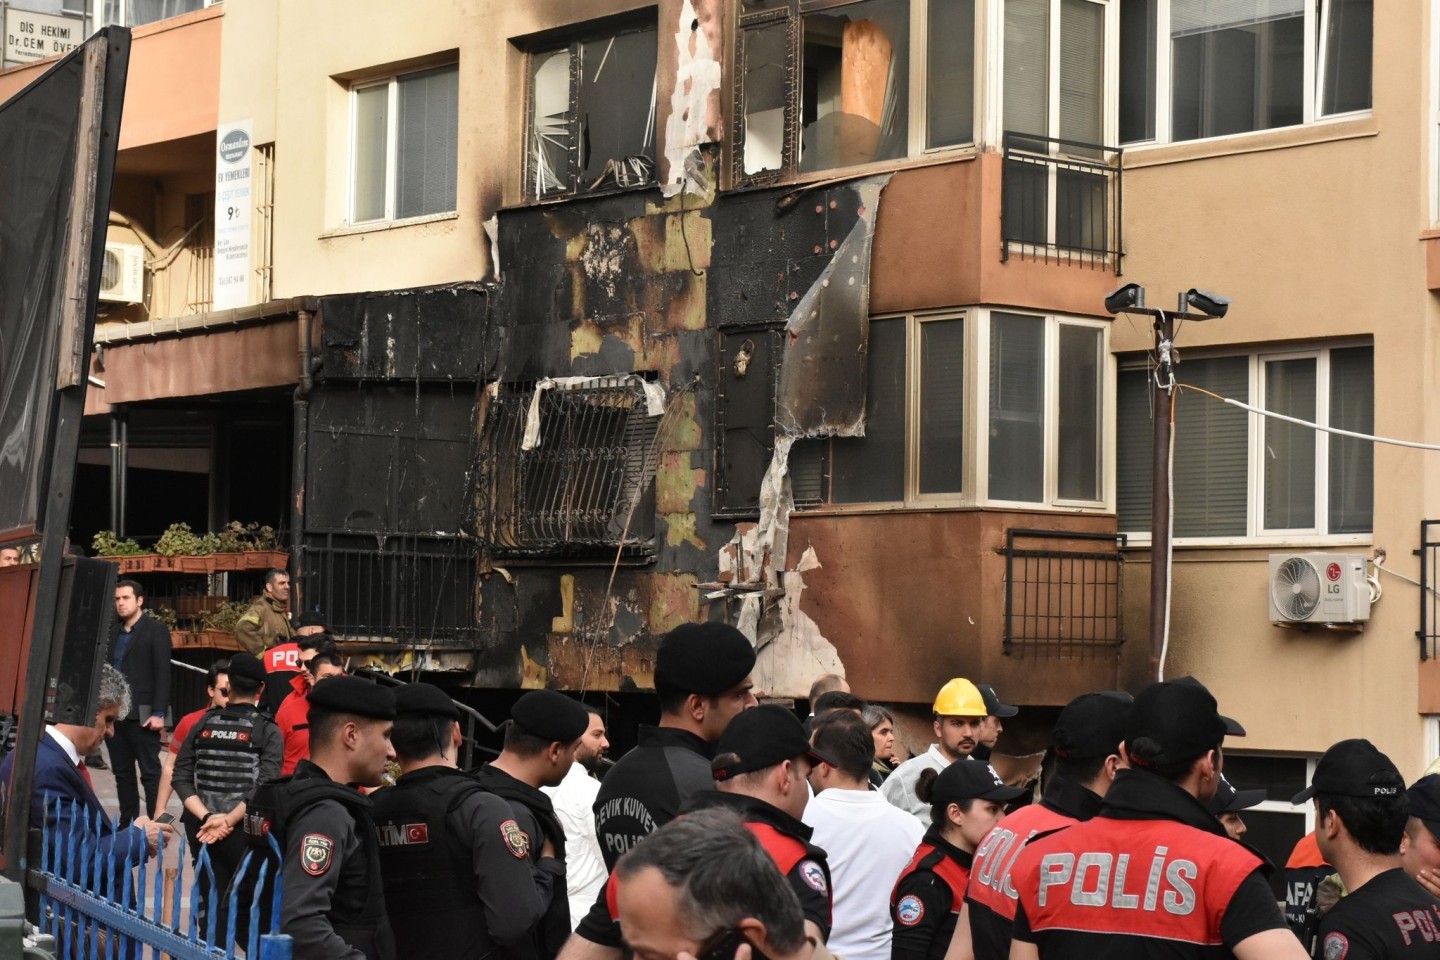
(293,718)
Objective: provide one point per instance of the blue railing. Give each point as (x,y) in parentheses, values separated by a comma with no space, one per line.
(100,906)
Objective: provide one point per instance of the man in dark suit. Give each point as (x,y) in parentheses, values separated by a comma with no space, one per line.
(140,649)
(61,791)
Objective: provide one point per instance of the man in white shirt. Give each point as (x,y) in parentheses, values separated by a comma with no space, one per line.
(960,713)
(869,842)
(574,800)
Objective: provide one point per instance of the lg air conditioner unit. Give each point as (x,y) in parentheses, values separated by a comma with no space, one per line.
(122,278)
(1318,588)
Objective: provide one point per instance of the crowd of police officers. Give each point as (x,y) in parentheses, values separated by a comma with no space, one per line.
(1122,852)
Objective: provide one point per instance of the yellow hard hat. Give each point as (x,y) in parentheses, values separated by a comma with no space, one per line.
(960,698)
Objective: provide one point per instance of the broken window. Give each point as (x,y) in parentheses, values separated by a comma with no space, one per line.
(592,113)
(828,85)
(568,467)
(404,145)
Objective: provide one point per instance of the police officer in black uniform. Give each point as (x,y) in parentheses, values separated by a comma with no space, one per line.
(702,678)
(458,882)
(229,751)
(540,743)
(1361,810)
(334,903)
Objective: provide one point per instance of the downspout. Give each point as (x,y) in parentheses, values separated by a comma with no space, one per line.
(302,431)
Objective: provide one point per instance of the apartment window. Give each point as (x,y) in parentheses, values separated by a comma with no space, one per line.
(133,13)
(833,85)
(404,145)
(1192,69)
(592,113)
(1035,383)
(1238,478)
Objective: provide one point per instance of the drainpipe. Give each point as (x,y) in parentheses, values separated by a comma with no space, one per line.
(119,467)
(302,430)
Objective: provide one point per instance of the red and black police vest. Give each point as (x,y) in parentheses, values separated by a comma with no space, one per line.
(1156,880)
(991,893)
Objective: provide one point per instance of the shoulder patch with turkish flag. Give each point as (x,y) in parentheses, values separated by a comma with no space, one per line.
(317,852)
(517,841)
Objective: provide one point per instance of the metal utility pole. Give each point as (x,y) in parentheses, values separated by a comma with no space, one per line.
(1192,305)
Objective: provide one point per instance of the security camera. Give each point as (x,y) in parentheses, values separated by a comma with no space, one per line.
(1130,296)
(1210,304)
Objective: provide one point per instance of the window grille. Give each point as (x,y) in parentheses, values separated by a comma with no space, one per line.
(585,486)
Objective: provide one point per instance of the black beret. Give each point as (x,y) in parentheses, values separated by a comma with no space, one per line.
(247,666)
(550,716)
(345,694)
(706,658)
(424,699)
(311,619)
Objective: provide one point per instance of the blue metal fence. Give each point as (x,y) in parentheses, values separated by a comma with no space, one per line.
(99,906)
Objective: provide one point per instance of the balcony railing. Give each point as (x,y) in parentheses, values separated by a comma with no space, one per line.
(1061,201)
(1063,603)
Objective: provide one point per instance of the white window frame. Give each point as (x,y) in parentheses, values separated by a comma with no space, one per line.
(97,13)
(994,116)
(1434,133)
(1256,533)
(980,430)
(919,79)
(392,105)
(1316,50)
(392,148)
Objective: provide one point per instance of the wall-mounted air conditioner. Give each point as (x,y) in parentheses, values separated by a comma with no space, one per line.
(122,277)
(1319,588)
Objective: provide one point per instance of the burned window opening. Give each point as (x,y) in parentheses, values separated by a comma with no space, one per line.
(586,486)
(592,114)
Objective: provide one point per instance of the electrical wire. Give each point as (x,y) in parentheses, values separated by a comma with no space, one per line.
(1415,444)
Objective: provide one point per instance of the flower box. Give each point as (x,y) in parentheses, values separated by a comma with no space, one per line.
(195,564)
(225,562)
(266,559)
(143,563)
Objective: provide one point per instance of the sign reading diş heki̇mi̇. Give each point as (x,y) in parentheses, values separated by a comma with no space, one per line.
(232,215)
(33,36)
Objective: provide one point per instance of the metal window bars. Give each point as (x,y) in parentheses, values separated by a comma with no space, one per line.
(1063,604)
(586,486)
(100,897)
(1429,554)
(1060,201)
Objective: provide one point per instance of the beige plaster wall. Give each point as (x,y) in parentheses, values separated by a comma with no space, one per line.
(1314,234)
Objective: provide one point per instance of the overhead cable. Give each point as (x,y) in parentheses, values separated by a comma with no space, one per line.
(1307,423)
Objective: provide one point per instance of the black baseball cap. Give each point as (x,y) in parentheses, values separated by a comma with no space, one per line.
(1354,768)
(1229,800)
(1092,725)
(762,737)
(1424,797)
(1181,718)
(247,666)
(994,706)
(706,658)
(311,619)
(971,780)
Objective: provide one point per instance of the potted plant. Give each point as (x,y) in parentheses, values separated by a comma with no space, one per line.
(230,547)
(188,552)
(262,549)
(219,624)
(127,553)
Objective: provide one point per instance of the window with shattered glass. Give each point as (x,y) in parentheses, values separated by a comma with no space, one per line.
(592,114)
(829,85)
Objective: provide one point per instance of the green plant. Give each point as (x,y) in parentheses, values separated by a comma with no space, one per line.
(261,537)
(106,544)
(231,539)
(179,541)
(166,616)
(225,616)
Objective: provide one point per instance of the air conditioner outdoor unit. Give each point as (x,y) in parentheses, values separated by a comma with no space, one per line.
(1318,588)
(122,278)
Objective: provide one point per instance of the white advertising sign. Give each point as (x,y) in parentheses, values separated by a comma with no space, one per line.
(233,206)
(31,36)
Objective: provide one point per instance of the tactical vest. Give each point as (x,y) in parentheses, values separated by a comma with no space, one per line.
(227,755)
(359,920)
(429,875)
(991,892)
(1130,888)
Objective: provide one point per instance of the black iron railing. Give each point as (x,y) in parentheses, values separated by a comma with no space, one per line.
(1429,554)
(393,588)
(568,469)
(1063,604)
(1060,201)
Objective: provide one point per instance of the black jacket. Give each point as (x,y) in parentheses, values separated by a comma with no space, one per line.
(146,666)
